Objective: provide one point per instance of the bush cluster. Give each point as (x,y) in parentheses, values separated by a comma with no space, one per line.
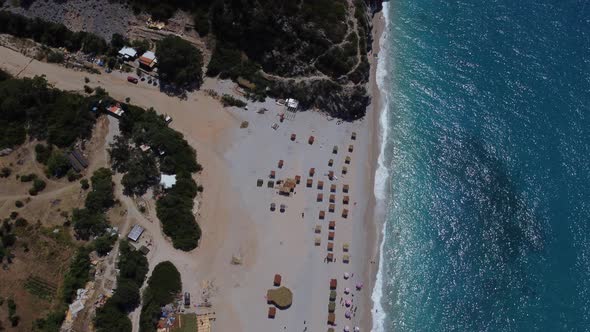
(163,285)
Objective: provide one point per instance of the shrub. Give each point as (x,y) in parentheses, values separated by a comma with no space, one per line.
(28,177)
(84,184)
(228,100)
(19,204)
(55,57)
(104,244)
(88,89)
(5,172)
(38,185)
(58,164)
(13,215)
(42,153)
(163,286)
(179,62)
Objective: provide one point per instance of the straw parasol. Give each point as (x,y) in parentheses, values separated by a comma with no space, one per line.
(293,137)
(332,225)
(345,200)
(346,259)
(277,280)
(333,283)
(350,148)
(310,140)
(309,183)
(331,208)
(345,247)
(311,171)
(333,188)
(345,213)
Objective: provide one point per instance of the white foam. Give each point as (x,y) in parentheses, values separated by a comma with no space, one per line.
(382,173)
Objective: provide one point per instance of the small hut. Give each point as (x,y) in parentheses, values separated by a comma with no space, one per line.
(345,200)
(272,174)
(259,182)
(333,284)
(311,140)
(322,214)
(353,136)
(345,188)
(335,149)
(332,198)
(345,213)
(293,137)
(277,280)
(345,247)
(280,163)
(311,172)
(320,197)
(297,179)
(346,259)
(330,246)
(331,236)
(309,183)
(318,229)
(272,311)
(350,148)
(333,188)
(320,185)
(344,170)
(347,160)
(331,162)
(331,208)
(332,225)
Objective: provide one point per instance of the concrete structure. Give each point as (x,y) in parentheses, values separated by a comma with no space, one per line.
(167,181)
(128,53)
(135,233)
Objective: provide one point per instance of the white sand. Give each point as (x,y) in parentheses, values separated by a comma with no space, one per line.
(235,215)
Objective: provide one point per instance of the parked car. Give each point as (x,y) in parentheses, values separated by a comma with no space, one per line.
(168,119)
(132,79)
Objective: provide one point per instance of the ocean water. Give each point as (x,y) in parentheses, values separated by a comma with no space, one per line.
(485,170)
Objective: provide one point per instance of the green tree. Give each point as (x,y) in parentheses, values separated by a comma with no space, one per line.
(101,198)
(87,223)
(179,62)
(58,164)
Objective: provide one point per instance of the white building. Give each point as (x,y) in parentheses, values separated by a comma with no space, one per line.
(292,104)
(167,181)
(128,53)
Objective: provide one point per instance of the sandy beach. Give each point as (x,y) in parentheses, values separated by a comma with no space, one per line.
(235,213)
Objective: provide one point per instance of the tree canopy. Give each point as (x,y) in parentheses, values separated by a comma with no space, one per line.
(179,62)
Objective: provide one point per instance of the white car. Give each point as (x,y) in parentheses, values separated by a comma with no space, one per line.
(168,119)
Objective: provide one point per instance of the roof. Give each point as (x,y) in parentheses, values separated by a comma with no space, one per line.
(116,110)
(135,233)
(128,52)
(148,59)
(167,181)
(292,103)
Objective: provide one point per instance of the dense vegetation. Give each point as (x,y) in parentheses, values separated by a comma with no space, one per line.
(163,285)
(170,151)
(91,220)
(179,62)
(31,107)
(51,34)
(133,267)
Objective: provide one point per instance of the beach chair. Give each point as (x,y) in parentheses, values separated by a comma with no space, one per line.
(272,174)
(320,185)
(345,188)
(280,163)
(345,200)
(331,175)
(330,246)
(322,215)
(353,136)
(345,213)
(277,280)
(347,160)
(272,311)
(333,188)
(331,162)
(335,149)
(331,236)
(332,225)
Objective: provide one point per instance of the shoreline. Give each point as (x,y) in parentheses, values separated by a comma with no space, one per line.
(375,217)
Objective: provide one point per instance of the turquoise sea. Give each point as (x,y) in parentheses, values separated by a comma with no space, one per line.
(485,171)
